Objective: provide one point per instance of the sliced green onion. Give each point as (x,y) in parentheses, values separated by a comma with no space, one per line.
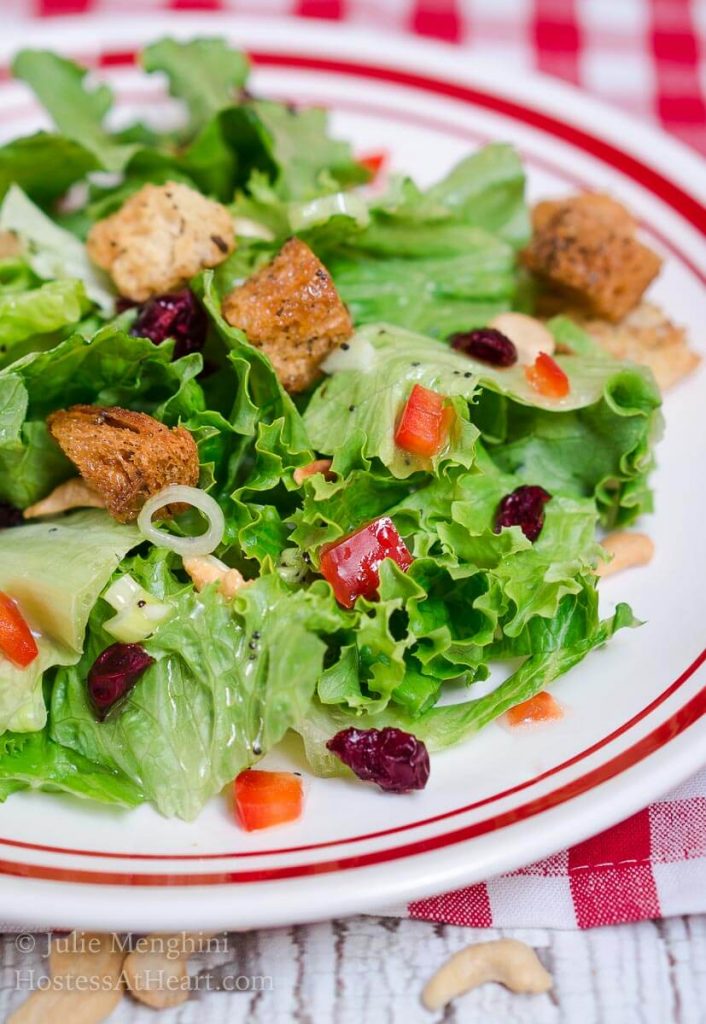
(317,211)
(357,354)
(293,567)
(247,228)
(139,613)
(179,494)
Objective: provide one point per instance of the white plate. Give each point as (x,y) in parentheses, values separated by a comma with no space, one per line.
(635,722)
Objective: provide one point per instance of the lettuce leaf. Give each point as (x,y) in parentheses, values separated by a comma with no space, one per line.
(439,260)
(83,549)
(52,252)
(228,682)
(595,442)
(24,162)
(445,725)
(205,73)
(77,111)
(110,369)
(34,761)
(251,439)
(38,311)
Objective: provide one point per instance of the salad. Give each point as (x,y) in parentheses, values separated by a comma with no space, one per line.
(290,443)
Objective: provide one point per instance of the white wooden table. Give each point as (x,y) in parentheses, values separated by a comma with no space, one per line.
(367,970)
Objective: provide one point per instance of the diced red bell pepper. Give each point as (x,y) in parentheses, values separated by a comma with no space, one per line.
(263,799)
(547,377)
(373,162)
(352,565)
(424,425)
(16,640)
(540,708)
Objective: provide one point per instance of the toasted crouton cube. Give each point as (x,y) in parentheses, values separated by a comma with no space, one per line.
(586,248)
(125,456)
(159,238)
(648,336)
(292,311)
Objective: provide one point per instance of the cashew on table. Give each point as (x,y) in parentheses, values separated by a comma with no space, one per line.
(507,961)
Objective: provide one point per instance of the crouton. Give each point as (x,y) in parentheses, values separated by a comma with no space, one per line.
(585,247)
(647,336)
(125,456)
(159,238)
(291,310)
(71,494)
(205,569)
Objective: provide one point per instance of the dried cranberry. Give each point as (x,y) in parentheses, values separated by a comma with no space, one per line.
(523,508)
(397,761)
(175,315)
(9,516)
(114,673)
(487,345)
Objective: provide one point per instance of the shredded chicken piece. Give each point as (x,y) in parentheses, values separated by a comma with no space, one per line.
(125,456)
(159,238)
(292,311)
(586,249)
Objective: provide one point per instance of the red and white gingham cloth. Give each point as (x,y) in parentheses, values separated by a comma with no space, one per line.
(652,865)
(649,57)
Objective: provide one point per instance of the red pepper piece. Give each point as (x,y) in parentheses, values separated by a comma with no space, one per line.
(373,162)
(352,565)
(263,799)
(16,640)
(547,377)
(424,425)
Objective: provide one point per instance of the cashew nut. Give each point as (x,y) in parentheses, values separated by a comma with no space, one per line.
(628,550)
(87,985)
(508,961)
(205,569)
(529,336)
(156,969)
(317,466)
(71,494)
(10,245)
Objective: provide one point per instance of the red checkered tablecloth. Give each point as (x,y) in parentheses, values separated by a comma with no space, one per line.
(648,57)
(652,865)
